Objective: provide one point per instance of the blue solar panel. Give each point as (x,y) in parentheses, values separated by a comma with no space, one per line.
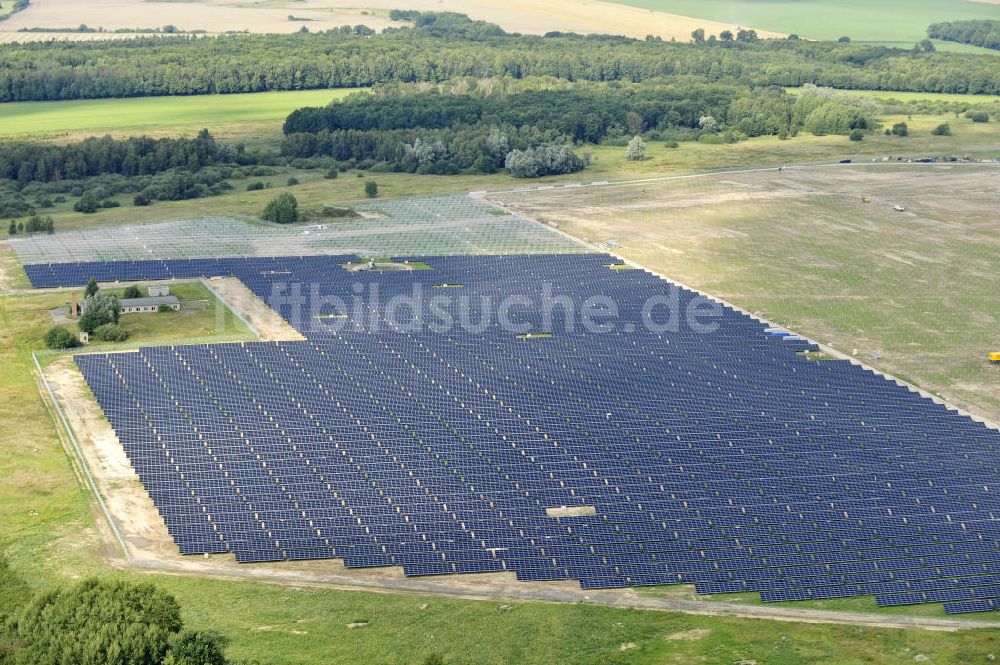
(720,458)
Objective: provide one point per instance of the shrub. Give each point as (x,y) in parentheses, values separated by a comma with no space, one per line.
(111,332)
(197,648)
(900,129)
(942,130)
(141,200)
(92,288)
(97,622)
(636,150)
(292,182)
(87,204)
(545,160)
(255,186)
(164,309)
(857,135)
(331,174)
(371,189)
(282,209)
(132,292)
(60,338)
(980,116)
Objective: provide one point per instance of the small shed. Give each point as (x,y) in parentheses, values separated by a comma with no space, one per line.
(142,305)
(159,291)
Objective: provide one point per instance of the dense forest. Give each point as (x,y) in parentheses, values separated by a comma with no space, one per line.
(439,50)
(34,162)
(978,33)
(435,132)
(40,175)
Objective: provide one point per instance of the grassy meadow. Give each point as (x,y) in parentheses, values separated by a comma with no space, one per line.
(892,22)
(824,253)
(203,319)
(178,115)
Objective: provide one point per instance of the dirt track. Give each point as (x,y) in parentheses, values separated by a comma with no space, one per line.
(270,326)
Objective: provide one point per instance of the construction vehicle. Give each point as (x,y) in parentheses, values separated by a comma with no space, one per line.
(995,358)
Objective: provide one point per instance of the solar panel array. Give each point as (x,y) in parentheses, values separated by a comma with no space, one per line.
(430,226)
(725,460)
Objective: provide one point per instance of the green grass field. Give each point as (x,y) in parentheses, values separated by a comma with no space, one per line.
(160,115)
(896,22)
(946,97)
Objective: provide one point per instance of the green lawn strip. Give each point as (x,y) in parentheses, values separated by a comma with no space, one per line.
(179,114)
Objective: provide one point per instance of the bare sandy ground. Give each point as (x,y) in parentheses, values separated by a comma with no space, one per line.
(270,326)
(214,16)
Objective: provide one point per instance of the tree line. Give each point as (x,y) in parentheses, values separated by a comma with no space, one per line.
(454,46)
(985,33)
(142,155)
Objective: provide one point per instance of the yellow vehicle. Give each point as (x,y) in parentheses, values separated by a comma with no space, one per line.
(995,358)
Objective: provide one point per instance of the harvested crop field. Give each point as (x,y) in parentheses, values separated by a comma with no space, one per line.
(215,16)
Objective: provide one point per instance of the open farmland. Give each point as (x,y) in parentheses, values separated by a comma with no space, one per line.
(910,291)
(216,16)
(172,116)
(897,22)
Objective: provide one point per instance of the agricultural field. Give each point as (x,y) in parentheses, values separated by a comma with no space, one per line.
(823,252)
(271,16)
(891,22)
(227,116)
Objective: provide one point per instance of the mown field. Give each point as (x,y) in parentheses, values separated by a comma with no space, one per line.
(158,116)
(897,22)
(823,252)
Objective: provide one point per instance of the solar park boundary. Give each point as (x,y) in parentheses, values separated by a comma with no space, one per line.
(82,460)
(825,348)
